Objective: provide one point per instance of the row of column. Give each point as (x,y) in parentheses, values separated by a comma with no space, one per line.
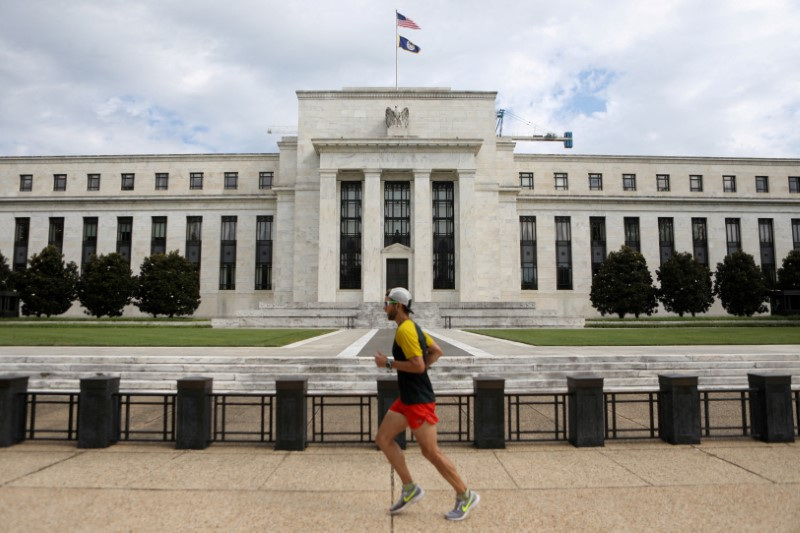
(420,275)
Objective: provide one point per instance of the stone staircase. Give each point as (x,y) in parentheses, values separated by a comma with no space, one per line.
(531,373)
(370,315)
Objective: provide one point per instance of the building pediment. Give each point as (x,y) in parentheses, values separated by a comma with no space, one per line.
(397,249)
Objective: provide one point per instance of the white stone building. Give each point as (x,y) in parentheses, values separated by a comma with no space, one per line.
(368,195)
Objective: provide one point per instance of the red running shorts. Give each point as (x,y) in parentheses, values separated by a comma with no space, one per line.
(417,413)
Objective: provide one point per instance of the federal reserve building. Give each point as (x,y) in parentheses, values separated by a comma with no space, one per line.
(398,187)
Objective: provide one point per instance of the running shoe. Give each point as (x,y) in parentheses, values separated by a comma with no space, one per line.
(407,497)
(463,507)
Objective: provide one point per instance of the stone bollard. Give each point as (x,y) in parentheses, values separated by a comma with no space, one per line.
(586,411)
(291,419)
(771,407)
(193,431)
(98,412)
(490,424)
(388,392)
(678,409)
(13,408)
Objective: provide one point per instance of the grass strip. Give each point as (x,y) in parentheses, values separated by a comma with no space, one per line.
(128,335)
(653,336)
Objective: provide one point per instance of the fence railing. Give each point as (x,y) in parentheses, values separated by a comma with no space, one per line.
(354,418)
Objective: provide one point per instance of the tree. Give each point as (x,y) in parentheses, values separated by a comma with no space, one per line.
(6,275)
(48,286)
(624,285)
(168,285)
(789,273)
(686,285)
(106,285)
(741,285)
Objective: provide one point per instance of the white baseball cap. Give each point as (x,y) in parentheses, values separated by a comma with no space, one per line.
(402,296)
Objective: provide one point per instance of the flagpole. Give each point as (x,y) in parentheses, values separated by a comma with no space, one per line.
(395,49)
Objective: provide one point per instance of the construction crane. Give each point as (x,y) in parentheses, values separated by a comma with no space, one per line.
(501,114)
(282,130)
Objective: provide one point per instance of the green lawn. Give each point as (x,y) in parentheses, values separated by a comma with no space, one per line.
(653,336)
(54,334)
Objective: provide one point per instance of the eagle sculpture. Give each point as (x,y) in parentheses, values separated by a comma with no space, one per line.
(395,119)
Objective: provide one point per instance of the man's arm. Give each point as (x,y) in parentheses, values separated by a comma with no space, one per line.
(415,365)
(434,353)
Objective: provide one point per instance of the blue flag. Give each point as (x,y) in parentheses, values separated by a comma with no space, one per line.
(407,45)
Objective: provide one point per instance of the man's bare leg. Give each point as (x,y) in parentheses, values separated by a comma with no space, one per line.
(392,425)
(426,436)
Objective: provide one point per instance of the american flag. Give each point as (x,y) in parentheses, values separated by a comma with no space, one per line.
(406,22)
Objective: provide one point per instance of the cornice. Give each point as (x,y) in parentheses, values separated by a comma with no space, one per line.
(397,144)
(407,93)
(679,200)
(101,201)
(653,159)
(129,158)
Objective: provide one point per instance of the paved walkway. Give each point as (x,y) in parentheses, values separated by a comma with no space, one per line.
(737,485)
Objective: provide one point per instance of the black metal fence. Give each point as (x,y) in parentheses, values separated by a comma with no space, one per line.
(353,418)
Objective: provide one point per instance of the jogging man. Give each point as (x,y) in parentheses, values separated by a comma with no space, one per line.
(415,408)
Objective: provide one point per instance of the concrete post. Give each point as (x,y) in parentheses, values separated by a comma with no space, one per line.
(388,392)
(193,431)
(771,407)
(291,419)
(98,412)
(13,401)
(490,425)
(679,409)
(586,411)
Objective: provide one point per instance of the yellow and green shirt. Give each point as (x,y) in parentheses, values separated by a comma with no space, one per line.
(414,388)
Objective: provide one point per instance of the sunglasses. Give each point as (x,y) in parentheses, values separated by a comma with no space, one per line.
(390,302)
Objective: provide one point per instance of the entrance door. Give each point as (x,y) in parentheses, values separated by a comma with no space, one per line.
(396,273)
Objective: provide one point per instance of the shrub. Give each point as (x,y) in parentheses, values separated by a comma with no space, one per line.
(741,285)
(789,273)
(106,285)
(686,285)
(624,285)
(48,286)
(168,285)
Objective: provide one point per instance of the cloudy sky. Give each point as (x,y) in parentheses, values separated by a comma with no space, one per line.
(673,77)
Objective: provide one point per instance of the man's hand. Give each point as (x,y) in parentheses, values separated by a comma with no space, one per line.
(380,360)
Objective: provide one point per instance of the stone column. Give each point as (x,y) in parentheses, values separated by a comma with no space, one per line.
(328,272)
(679,409)
(586,411)
(98,412)
(13,408)
(371,238)
(422,238)
(489,412)
(193,429)
(283,247)
(771,407)
(466,254)
(388,392)
(291,414)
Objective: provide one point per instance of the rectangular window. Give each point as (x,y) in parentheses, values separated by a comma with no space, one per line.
(397,213)
(59,182)
(158,236)
(696,183)
(563,254)
(93,182)
(595,182)
(195,181)
(762,183)
(632,239)
(265,180)
(700,240)
(794,183)
(26,182)
(733,235)
(227,256)
(526,180)
(796,233)
(629,182)
(22,228)
(127,182)
(264,253)
(444,241)
(89,244)
(231,180)
(194,240)
(55,234)
(597,236)
(662,182)
(350,236)
(729,183)
(666,238)
(527,253)
(562,181)
(162,181)
(125,237)
(766,239)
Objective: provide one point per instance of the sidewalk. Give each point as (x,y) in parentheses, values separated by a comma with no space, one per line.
(730,485)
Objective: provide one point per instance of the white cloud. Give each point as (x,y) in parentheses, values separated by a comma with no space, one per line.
(671,78)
